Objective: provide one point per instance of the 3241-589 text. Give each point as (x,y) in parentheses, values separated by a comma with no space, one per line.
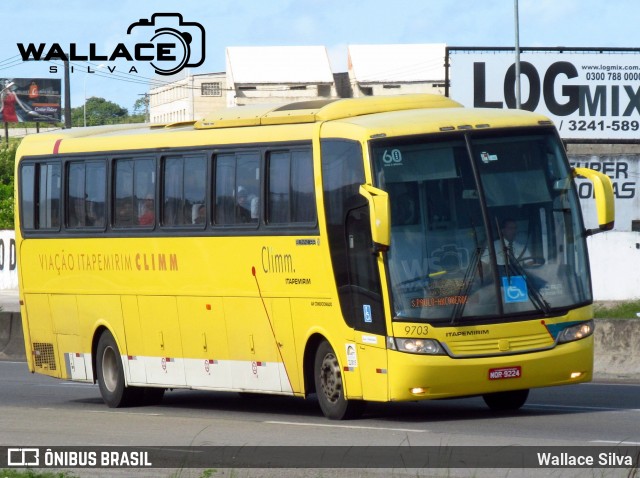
(615,125)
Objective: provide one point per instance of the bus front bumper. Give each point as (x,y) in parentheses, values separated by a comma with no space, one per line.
(423,377)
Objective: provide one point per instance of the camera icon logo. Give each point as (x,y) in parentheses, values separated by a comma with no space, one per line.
(177,44)
(23,457)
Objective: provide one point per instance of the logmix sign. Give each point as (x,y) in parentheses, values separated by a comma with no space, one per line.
(588,95)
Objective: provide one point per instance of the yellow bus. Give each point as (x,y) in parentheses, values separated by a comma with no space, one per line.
(376,249)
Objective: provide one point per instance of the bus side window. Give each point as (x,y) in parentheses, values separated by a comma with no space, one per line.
(134,192)
(49,196)
(303,197)
(183,187)
(27,192)
(236,181)
(224,185)
(291,194)
(86,194)
(278,207)
(40,195)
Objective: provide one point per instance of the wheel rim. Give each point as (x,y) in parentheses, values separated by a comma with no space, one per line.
(110,369)
(330,378)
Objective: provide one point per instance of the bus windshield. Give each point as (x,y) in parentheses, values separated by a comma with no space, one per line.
(483,226)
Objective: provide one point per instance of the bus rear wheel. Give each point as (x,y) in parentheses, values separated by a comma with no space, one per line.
(330,387)
(506,401)
(110,372)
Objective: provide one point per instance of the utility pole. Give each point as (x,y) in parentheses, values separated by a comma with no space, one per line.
(67,95)
(518,93)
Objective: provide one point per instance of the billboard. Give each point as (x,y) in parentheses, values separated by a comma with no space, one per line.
(589,95)
(30,99)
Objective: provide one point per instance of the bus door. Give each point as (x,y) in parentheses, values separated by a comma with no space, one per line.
(355,269)
(367,312)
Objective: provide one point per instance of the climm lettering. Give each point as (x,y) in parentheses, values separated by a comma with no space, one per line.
(273,262)
(156,262)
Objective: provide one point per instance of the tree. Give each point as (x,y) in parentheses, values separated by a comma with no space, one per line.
(7,162)
(140,110)
(141,106)
(98,112)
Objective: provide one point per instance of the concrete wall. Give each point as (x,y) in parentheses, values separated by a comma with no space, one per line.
(617,348)
(615,265)
(11,337)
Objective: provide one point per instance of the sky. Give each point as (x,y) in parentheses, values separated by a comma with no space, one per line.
(334,24)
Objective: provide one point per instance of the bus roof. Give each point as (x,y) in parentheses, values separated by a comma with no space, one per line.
(322,110)
(411,122)
(385,115)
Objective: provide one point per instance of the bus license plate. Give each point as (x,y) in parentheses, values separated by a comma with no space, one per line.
(505,372)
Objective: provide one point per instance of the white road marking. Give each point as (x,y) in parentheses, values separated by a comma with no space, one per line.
(613,442)
(411,430)
(576,407)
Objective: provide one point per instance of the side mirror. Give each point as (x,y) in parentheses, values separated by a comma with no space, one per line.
(379,216)
(604,198)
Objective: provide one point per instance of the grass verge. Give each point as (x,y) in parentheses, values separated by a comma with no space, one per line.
(616,310)
(34,474)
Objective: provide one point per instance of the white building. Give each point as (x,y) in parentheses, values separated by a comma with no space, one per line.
(376,70)
(278,74)
(188,99)
(285,74)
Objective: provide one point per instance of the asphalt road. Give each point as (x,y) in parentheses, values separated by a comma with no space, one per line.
(39,411)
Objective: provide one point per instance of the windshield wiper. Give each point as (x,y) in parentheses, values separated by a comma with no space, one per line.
(470,274)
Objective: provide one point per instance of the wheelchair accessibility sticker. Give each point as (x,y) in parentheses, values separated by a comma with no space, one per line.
(515,289)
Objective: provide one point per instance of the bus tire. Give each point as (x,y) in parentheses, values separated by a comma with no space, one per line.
(506,401)
(111,374)
(330,387)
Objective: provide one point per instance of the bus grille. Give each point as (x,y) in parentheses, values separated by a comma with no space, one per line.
(44,356)
(512,345)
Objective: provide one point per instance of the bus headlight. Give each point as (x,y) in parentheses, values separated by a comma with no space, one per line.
(576,332)
(416,346)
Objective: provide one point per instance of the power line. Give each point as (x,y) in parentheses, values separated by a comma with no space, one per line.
(12,58)
(7,64)
(16,60)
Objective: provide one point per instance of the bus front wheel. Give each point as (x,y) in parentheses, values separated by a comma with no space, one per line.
(330,386)
(111,374)
(506,401)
